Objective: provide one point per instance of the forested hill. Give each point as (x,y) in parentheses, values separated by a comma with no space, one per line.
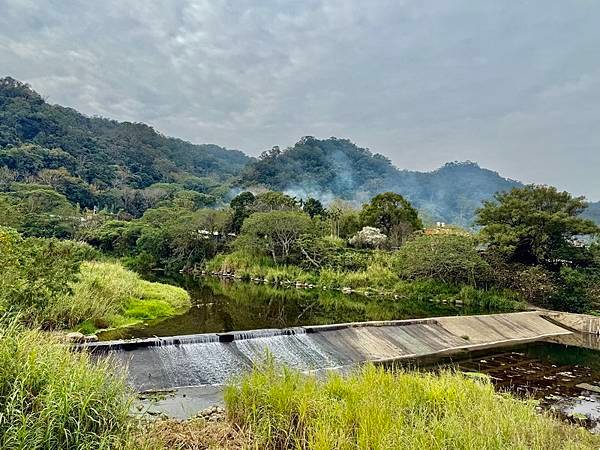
(337,168)
(101,152)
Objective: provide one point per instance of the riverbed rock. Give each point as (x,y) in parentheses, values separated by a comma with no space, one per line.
(90,338)
(75,337)
(213,414)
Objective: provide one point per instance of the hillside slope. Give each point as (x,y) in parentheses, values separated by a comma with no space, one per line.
(338,168)
(102,152)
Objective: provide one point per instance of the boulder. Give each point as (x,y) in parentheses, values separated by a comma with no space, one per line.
(75,337)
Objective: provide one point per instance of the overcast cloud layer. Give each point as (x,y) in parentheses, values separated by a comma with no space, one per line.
(513,85)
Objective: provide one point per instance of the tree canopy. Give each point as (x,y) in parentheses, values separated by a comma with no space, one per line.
(536,225)
(393,215)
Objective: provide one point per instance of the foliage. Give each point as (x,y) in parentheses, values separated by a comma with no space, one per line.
(578,290)
(107,295)
(344,220)
(337,168)
(378,408)
(166,238)
(52,398)
(36,273)
(100,162)
(240,205)
(273,201)
(37,210)
(393,214)
(368,237)
(275,233)
(446,258)
(536,225)
(313,208)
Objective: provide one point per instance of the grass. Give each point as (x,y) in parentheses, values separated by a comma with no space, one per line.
(108,295)
(378,276)
(194,433)
(376,409)
(51,398)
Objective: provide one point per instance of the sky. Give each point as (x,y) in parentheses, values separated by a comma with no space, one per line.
(513,85)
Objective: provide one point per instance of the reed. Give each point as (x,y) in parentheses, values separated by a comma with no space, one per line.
(51,398)
(108,295)
(378,409)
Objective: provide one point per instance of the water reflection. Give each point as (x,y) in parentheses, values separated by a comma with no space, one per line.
(222,305)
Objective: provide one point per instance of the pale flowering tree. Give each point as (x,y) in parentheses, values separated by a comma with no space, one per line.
(369,237)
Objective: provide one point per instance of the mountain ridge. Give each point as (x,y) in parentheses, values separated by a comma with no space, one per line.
(101,159)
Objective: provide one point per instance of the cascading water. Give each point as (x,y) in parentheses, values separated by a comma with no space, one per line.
(196,360)
(209,359)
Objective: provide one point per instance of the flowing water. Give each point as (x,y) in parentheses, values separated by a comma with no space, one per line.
(222,305)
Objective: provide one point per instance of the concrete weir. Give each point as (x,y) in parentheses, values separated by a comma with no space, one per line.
(213,359)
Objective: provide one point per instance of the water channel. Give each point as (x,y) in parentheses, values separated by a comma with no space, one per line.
(226,305)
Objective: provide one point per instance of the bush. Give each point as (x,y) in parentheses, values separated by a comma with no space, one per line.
(374,408)
(368,237)
(36,272)
(51,398)
(445,258)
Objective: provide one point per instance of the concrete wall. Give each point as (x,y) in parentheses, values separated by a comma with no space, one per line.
(213,359)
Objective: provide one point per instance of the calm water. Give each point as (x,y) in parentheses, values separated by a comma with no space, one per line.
(222,305)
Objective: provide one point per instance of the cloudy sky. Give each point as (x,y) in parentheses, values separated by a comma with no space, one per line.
(513,85)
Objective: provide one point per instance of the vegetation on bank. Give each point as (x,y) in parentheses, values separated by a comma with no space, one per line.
(52,283)
(375,408)
(106,295)
(52,398)
(377,277)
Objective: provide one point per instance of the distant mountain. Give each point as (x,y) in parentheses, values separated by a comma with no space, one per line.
(99,151)
(338,168)
(97,162)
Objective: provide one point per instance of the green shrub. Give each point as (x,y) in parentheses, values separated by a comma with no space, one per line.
(374,408)
(51,398)
(36,272)
(445,258)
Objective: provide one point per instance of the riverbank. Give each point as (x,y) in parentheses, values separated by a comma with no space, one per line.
(377,277)
(277,408)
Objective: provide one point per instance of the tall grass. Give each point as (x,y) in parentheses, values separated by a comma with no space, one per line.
(106,294)
(376,409)
(51,398)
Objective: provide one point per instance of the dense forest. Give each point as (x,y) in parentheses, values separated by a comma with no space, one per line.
(96,162)
(127,167)
(337,168)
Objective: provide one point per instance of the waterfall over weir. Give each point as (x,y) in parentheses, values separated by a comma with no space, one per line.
(209,359)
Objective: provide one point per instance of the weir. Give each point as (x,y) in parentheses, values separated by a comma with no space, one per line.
(213,359)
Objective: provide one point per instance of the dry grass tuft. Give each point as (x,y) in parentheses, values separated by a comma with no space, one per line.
(192,434)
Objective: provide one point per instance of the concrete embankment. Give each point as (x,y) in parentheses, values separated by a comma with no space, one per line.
(213,359)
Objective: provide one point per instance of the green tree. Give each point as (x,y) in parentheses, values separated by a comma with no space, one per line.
(276,233)
(313,207)
(536,225)
(392,214)
(36,272)
(240,205)
(274,201)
